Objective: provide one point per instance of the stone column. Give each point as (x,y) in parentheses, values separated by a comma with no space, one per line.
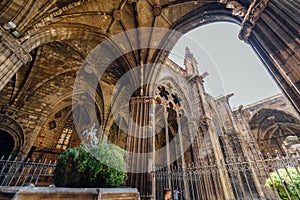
(166,114)
(272,28)
(220,161)
(167,138)
(247,152)
(141,145)
(185,182)
(12,57)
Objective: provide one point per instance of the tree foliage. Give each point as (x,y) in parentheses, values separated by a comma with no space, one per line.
(288,178)
(95,166)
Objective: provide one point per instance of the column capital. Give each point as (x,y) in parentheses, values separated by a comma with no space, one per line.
(142,99)
(14,46)
(253,14)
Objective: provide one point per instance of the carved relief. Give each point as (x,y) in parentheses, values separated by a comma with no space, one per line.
(237,8)
(251,17)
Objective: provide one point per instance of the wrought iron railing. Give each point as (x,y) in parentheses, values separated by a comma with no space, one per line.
(237,178)
(15,171)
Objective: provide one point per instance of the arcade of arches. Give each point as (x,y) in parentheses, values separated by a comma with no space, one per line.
(42,51)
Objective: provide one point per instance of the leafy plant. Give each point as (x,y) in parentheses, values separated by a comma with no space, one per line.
(93,166)
(288,178)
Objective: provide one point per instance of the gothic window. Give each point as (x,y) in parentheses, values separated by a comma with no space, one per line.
(163,93)
(171,126)
(176,99)
(167,96)
(65,136)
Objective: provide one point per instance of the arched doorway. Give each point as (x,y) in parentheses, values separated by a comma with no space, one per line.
(6,143)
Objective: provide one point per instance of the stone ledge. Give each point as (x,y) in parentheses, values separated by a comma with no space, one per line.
(43,193)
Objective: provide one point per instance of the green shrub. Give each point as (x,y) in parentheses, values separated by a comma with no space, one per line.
(95,166)
(289,178)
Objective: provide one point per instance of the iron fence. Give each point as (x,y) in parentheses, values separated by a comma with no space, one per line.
(237,178)
(15,171)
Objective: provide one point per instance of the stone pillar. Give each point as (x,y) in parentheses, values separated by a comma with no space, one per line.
(185,183)
(247,152)
(272,28)
(220,161)
(208,132)
(167,138)
(167,144)
(141,145)
(12,57)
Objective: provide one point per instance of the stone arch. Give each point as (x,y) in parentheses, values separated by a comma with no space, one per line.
(262,28)
(14,131)
(46,81)
(60,32)
(10,10)
(272,129)
(174,101)
(266,117)
(209,13)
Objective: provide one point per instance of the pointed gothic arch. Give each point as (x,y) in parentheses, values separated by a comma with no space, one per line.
(272,130)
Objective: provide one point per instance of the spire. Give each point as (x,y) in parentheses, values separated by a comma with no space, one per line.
(187,51)
(190,62)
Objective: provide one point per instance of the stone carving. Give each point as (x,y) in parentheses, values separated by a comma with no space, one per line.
(237,8)
(14,46)
(251,17)
(91,135)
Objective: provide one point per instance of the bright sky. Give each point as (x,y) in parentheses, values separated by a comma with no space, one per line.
(232,65)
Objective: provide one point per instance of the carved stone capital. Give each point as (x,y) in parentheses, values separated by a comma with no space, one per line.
(141,99)
(253,14)
(14,46)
